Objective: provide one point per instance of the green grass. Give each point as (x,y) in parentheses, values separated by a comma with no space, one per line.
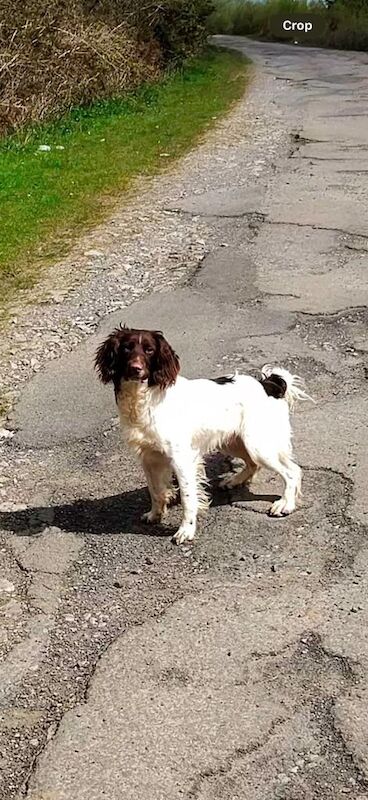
(48,198)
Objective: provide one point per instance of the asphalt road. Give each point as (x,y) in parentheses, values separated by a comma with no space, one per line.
(237,668)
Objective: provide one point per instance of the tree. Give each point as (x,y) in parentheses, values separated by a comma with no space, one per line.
(352,5)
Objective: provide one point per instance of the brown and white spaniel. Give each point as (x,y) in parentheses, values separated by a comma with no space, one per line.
(172,422)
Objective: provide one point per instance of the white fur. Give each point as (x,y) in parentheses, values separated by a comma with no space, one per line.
(173,429)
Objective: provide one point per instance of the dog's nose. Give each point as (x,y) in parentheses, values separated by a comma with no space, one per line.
(136,368)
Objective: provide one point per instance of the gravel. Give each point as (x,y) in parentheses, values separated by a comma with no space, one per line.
(142,246)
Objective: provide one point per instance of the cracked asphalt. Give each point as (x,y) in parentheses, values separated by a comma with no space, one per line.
(236,668)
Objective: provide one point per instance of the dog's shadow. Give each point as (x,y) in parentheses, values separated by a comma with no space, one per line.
(120,513)
(117,514)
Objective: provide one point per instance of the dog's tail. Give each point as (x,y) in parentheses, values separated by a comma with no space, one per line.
(280,383)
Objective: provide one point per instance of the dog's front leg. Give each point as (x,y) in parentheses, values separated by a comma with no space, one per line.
(185,468)
(158,475)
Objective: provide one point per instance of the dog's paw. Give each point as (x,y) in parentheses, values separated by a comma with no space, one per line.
(280,508)
(184,534)
(227,480)
(151,516)
(171,497)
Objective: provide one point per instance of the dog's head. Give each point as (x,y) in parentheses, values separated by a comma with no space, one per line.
(129,354)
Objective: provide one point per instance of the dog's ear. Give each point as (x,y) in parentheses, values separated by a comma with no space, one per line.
(106,360)
(166,364)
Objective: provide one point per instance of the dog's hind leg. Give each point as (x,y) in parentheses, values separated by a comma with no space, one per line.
(237,449)
(268,442)
(283,465)
(231,479)
(292,475)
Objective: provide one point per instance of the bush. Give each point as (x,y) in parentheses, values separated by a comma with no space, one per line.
(56,54)
(345,21)
(180,27)
(348,25)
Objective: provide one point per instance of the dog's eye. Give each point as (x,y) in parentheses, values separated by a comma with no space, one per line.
(148,350)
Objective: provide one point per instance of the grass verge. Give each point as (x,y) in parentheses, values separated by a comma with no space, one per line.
(47,197)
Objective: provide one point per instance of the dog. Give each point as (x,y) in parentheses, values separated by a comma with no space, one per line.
(172,422)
